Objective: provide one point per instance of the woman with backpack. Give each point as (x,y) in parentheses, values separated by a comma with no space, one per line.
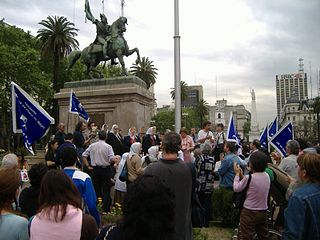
(253,217)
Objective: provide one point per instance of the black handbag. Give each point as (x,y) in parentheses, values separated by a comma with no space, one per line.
(238,198)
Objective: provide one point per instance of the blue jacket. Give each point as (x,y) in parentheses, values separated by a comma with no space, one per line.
(84,185)
(226,172)
(302,216)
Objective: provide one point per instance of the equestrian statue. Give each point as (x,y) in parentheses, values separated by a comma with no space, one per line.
(109,44)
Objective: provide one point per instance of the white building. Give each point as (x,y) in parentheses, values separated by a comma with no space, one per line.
(220,113)
(301,114)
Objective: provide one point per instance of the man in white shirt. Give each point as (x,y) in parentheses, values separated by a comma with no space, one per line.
(289,164)
(101,156)
(205,136)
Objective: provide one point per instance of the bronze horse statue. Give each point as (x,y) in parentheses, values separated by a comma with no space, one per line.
(117,47)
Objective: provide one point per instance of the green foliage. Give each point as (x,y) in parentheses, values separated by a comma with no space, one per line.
(202,109)
(222,205)
(145,70)
(199,235)
(164,120)
(246,129)
(184,91)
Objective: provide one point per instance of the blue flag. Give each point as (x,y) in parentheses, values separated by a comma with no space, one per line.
(232,134)
(77,108)
(273,129)
(280,139)
(28,117)
(264,138)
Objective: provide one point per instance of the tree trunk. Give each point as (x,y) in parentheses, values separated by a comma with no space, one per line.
(56,87)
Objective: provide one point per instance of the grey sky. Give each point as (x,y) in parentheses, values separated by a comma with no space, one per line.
(242,43)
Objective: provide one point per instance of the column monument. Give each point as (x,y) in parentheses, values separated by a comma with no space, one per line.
(254,127)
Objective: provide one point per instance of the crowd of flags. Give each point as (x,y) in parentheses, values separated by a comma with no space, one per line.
(270,136)
(30,119)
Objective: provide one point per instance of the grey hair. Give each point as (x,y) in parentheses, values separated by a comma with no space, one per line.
(294,146)
(205,148)
(9,161)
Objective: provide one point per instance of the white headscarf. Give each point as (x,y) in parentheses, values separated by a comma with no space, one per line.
(153,151)
(113,128)
(135,149)
(150,131)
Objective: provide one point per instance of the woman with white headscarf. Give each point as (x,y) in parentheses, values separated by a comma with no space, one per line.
(130,139)
(149,140)
(134,163)
(115,139)
(152,156)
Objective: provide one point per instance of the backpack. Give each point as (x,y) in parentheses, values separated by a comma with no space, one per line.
(238,198)
(123,177)
(279,185)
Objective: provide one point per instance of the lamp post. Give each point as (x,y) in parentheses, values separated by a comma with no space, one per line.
(177,68)
(185,115)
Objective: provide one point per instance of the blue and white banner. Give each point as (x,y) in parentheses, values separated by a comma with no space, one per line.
(273,129)
(264,138)
(77,108)
(232,134)
(280,139)
(28,117)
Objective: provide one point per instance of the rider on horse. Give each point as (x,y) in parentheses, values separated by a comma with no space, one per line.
(103,31)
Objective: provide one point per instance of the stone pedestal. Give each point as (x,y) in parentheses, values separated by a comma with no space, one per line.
(121,100)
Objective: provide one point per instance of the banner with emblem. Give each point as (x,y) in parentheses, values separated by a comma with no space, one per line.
(28,117)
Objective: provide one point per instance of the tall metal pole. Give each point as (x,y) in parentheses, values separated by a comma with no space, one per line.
(177,68)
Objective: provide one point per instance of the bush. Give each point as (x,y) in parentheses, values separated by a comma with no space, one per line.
(222,207)
(199,235)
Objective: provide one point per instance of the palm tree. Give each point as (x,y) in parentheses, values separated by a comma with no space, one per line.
(202,109)
(145,70)
(184,91)
(57,40)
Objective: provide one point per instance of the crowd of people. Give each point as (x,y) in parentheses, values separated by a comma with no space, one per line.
(167,174)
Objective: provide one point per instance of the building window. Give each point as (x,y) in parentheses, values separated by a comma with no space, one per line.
(219,115)
(305,118)
(293,118)
(288,118)
(292,108)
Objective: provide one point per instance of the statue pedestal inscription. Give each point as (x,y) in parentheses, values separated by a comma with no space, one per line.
(121,100)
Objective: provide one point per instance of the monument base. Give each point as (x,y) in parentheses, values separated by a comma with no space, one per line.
(124,101)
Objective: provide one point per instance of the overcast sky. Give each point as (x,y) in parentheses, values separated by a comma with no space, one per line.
(229,46)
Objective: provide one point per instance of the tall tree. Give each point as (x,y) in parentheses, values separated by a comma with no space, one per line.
(184,91)
(202,109)
(145,70)
(57,39)
(316,110)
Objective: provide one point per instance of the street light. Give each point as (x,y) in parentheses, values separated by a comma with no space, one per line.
(185,115)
